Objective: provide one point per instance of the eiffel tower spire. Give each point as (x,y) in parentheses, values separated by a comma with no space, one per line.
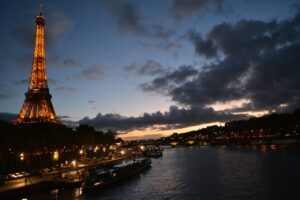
(37,107)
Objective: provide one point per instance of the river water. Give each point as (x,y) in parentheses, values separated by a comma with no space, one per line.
(226,173)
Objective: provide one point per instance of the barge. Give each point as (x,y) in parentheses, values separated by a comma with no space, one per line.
(99,178)
(153,152)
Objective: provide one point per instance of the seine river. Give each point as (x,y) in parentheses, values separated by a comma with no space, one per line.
(226,173)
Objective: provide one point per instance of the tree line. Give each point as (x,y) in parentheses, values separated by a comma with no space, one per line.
(267,127)
(37,137)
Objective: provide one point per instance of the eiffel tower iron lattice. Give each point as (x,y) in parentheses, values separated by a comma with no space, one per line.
(37,107)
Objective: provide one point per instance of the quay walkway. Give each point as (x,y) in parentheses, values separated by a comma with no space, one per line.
(50,179)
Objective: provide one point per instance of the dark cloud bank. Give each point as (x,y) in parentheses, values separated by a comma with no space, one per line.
(259,61)
(174,118)
(254,60)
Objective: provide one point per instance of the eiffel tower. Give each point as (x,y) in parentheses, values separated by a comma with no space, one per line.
(37,107)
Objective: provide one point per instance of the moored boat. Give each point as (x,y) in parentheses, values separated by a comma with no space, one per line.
(153,151)
(98,178)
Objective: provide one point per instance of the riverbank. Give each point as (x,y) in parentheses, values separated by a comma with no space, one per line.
(67,177)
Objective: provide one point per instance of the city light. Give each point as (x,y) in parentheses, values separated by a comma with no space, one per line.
(22,156)
(142,147)
(55,155)
(81,151)
(173,143)
(122,152)
(96,149)
(112,147)
(74,163)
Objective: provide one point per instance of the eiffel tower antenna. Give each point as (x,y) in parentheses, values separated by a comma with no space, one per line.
(41,9)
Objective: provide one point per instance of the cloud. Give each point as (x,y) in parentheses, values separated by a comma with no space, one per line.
(141,136)
(52,81)
(66,89)
(64,117)
(8,116)
(130,20)
(260,62)
(186,8)
(67,120)
(170,80)
(72,62)
(204,47)
(129,17)
(93,72)
(150,67)
(91,101)
(173,118)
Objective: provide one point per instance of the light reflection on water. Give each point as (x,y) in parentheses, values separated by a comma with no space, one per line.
(264,148)
(248,172)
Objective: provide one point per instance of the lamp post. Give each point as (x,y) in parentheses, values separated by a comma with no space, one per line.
(82,154)
(55,156)
(122,152)
(22,158)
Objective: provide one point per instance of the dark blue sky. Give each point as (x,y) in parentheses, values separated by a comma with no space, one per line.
(155,67)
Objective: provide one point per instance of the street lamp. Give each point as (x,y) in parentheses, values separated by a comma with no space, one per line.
(22,156)
(122,152)
(96,149)
(73,163)
(55,155)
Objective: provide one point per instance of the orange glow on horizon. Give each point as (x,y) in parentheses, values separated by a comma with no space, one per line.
(229,104)
(155,133)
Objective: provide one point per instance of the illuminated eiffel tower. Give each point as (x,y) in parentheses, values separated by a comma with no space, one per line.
(37,107)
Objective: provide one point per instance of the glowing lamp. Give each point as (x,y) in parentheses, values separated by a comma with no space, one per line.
(74,163)
(123,152)
(22,156)
(55,155)
(81,151)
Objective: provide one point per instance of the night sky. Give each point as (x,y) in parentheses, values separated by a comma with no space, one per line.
(149,68)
